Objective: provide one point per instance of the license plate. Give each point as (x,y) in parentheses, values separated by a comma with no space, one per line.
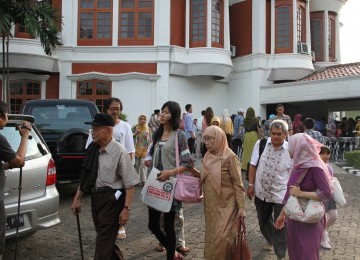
(11,222)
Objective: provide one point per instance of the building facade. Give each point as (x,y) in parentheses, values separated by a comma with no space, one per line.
(218,53)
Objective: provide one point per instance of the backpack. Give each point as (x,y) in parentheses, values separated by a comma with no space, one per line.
(261,150)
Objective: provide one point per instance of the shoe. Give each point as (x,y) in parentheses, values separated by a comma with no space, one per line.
(178,256)
(160,248)
(325,245)
(267,247)
(121,233)
(183,250)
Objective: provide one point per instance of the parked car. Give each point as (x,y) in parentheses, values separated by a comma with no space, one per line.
(39,206)
(61,123)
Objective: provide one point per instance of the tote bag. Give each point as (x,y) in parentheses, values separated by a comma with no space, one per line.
(338,192)
(156,194)
(242,250)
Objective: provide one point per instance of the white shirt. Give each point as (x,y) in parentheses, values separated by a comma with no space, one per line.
(273,171)
(199,123)
(122,134)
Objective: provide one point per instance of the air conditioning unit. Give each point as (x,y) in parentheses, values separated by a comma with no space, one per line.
(303,48)
(233,51)
(313,56)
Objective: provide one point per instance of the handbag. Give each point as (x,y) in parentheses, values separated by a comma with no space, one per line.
(188,188)
(338,192)
(156,194)
(304,210)
(242,250)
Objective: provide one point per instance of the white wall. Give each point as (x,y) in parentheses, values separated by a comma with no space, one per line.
(200,92)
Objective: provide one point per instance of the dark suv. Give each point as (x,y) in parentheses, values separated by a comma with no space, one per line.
(61,123)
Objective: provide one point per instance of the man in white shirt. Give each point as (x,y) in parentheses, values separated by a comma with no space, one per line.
(268,178)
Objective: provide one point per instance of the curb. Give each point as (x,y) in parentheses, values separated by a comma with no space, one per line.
(351,170)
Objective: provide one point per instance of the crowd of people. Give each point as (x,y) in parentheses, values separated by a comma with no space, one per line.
(272,153)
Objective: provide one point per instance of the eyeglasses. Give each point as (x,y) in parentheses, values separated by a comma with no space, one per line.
(208,139)
(114,108)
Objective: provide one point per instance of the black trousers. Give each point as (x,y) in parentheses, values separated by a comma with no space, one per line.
(191,144)
(266,213)
(236,146)
(167,239)
(105,211)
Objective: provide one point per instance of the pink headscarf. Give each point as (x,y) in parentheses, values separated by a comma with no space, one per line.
(304,151)
(215,156)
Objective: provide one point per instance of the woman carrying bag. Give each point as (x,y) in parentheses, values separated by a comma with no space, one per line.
(164,159)
(224,196)
(304,239)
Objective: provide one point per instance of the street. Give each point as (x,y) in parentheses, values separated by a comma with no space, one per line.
(61,242)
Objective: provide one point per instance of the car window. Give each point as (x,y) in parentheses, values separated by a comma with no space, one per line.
(61,117)
(14,138)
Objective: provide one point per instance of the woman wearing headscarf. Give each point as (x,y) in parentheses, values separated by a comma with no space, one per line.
(298,126)
(142,140)
(304,239)
(251,125)
(215,121)
(226,125)
(224,196)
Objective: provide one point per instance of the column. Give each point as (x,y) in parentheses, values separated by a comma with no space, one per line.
(259,26)
(208,24)
(226,26)
(294,26)
(115,23)
(187,24)
(272,26)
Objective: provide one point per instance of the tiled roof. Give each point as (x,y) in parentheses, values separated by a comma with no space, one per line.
(337,71)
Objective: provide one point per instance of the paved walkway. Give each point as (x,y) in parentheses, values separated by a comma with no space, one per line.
(61,242)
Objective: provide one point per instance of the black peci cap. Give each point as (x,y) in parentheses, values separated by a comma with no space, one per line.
(102,119)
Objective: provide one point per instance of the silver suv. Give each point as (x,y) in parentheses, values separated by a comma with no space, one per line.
(39,196)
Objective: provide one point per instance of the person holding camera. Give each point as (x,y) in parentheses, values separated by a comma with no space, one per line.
(9,159)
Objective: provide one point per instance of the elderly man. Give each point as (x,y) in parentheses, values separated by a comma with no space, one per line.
(268,177)
(110,177)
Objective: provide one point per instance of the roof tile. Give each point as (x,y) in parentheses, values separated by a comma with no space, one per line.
(337,71)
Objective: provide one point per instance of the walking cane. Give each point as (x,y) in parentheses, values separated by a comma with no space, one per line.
(79,232)
(18,212)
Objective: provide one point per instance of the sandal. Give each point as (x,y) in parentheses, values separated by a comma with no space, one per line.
(183,250)
(178,256)
(160,248)
(121,233)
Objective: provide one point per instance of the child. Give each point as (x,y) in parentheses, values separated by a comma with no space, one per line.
(330,206)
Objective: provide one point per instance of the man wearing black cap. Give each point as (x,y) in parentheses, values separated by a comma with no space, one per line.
(109,175)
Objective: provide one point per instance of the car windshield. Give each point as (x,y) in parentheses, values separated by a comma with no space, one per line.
(59,118)
(13,137)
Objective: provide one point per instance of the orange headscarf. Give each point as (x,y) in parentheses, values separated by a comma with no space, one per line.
(215,156)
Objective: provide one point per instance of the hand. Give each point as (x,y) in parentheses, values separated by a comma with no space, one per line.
(163,176)
(76,207)
(124,217)
(241,213)
(24,129)
(280,221)
(295,190)
(250,192)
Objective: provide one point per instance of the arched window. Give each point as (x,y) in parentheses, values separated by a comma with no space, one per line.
(217,18)
(136,22)
(198,23)
(317,34)
(95,22)
(301,22)
(331,37)
(94,90)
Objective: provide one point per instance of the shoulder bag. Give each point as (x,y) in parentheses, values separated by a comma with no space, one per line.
(242,250)
(188,188)
(338,192)
(304,210)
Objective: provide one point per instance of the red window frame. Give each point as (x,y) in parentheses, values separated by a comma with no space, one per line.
(91,91)
(301,22)
(217,23)
(97,22)
(283,27)
(331,36)
(198,23)
(21,91)
(317,38)
(139,25)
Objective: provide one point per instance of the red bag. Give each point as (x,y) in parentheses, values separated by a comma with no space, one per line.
(242,250)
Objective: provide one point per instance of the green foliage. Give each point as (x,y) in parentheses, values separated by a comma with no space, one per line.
(123,117)
(353,158)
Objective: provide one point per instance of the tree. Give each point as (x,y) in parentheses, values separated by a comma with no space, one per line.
(39,20)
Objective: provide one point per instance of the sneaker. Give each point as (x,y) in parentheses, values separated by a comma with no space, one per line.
(326,245)
(267,247)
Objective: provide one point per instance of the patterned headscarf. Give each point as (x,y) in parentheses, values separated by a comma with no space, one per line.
(304,151)
(215,156)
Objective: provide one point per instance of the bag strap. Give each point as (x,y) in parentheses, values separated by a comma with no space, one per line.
(262,145)
(177,150)
(302,176)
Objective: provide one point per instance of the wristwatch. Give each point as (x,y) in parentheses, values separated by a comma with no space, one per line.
(127,207)
(251,185)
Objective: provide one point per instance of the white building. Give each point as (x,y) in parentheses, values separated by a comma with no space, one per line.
(218,53)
